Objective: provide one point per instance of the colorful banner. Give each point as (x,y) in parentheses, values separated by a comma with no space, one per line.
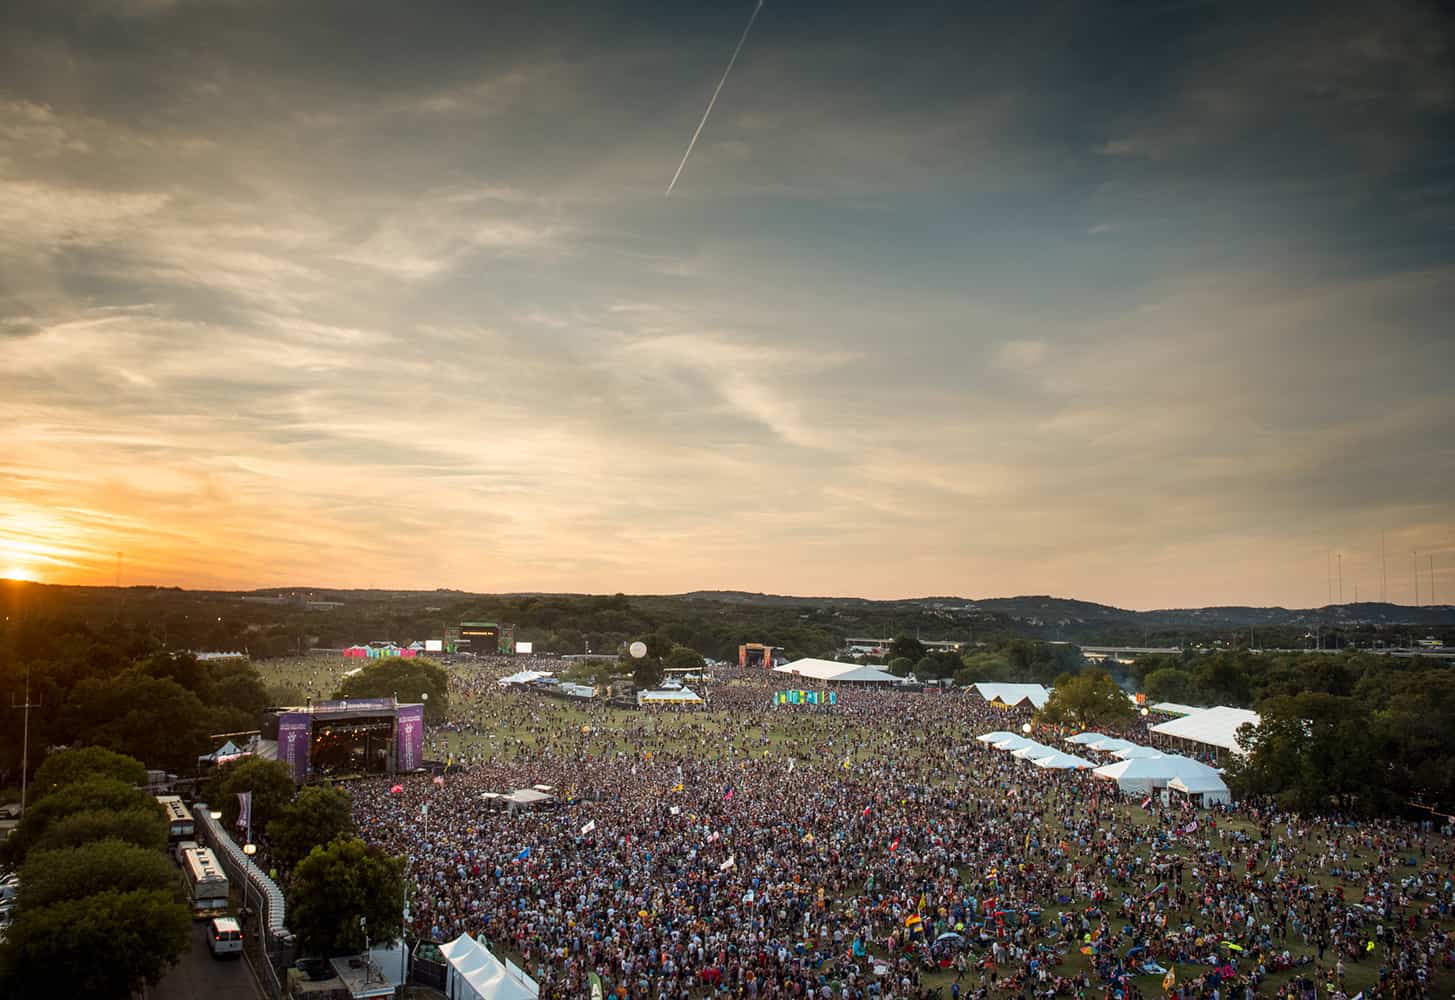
(409,738)
(244,810)
(800,697)
(295,732)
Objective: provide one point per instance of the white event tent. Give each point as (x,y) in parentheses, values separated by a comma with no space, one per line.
(837,673)
(1063,761)
(475,974)
(1216,727)
(995,737)
(1133,752)
(1141,775)
(1013,694)
(1111,744)
(1210,788)
(1034,751)
(1086,739)
(1012,743)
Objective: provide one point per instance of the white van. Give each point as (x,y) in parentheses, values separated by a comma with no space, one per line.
(224,937)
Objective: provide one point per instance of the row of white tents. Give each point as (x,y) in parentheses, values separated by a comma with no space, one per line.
(1138,770)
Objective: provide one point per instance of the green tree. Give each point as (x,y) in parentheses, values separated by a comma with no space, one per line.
(67,767)
(907,646)
(104,946)
(1087,700)
(270,781)
(144,827)
(407,679)
(334,886)
(94,794)
(685,658)
(317,816)
(99,866)
(154,719)
(1313,751)
(1168,684)
(901,666)
(647,672)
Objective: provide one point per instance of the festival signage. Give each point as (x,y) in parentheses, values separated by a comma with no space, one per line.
(295,730)
(355,704)
(409,738)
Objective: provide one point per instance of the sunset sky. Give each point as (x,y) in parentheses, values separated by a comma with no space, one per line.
(1147,304)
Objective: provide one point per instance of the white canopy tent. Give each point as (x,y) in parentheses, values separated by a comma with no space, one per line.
(1217,727)
(837,673)
(1086,739)
(1111,744)
(1133,752)
(995,737)
(1034,751)
(475,974)
(1013,694)
(1012,743)
(1063,762)
(1210,789)
(524,677)
(673,696)
(1142,775)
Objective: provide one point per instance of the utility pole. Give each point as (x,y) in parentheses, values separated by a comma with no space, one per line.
(1432,581)
(1384,566)
(25,746)
(1415,574)
(1341,578)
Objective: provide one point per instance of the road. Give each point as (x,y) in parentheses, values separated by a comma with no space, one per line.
(199,976)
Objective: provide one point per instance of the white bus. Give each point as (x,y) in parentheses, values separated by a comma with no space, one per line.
(207,887)
(179,819)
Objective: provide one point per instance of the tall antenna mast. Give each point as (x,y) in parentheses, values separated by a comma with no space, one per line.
(1415,574)
(1432,579)
(1331,580)
(1341,578)
(25,746)
(1384,566)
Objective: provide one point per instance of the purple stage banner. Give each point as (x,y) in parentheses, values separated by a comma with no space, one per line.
(409,737)
(295,732)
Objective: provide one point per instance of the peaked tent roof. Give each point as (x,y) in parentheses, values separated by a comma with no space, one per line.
(1086,739)
(1133,752)
(1063,762)
(995,737)
(1216,727)
(831,670)
(1199,784)
(1034,751)
(1014,694)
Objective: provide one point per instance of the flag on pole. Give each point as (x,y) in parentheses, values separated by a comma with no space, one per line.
(1170,980)
(244,809)
(866,810)
(590,825)
(1146,802)
(731,862)
(728,795)
(525,853)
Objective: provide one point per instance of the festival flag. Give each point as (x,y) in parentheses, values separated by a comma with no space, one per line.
(677,787)
(714,837)
(894,845)
(244,809)
(1170,980)
(596,991)
(921,905)
(866,810)
(1146,802)
(728,795)
(525,853)
(846,763)
(808,839)
(731,862)
(396,790)
(591,825)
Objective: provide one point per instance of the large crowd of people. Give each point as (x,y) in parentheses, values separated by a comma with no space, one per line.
(875,849)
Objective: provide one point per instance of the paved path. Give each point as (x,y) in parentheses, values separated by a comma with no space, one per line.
(199,976)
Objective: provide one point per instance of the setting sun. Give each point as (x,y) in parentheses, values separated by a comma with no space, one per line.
(19,573)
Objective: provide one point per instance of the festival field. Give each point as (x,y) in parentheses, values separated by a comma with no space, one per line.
(852,821)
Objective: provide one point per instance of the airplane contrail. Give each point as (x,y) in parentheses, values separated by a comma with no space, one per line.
(710,103)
